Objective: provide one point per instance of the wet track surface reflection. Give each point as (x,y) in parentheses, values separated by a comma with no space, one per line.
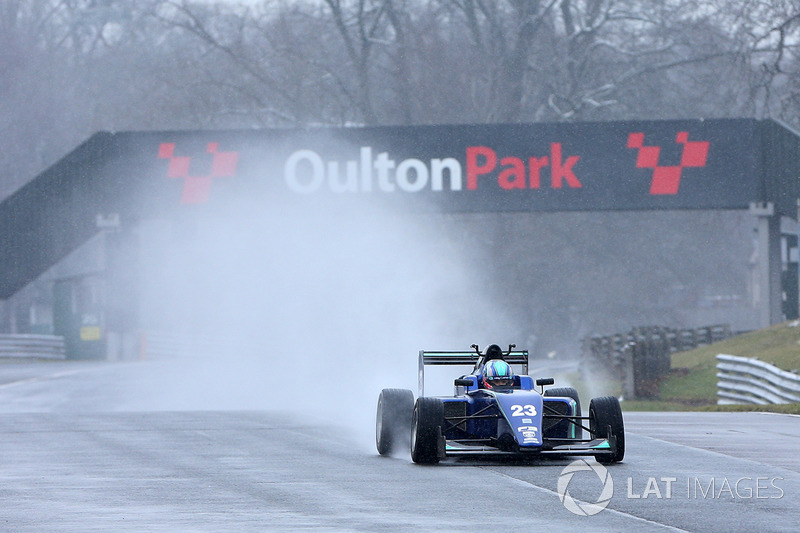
(71,464)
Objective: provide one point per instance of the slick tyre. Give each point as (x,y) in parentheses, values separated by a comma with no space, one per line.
(568,392)
(605,413)
(393,419)
(426,424)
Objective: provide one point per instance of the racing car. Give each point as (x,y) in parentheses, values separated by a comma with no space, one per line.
(495,410)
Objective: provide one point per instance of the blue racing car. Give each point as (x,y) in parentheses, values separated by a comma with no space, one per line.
(496,410)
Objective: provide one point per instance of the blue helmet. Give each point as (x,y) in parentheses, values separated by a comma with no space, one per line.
(497,373)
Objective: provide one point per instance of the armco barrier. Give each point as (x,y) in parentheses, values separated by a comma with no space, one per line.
(32,346)
(746,380)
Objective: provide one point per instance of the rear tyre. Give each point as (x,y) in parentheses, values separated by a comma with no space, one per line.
(568,392)
(393,419)
(426,430)
(605,413)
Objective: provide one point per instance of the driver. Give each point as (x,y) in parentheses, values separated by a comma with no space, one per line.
(497,374)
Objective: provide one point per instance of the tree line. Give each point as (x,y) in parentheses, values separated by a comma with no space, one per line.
(69,68)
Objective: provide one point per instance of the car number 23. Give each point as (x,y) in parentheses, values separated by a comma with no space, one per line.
(523,410)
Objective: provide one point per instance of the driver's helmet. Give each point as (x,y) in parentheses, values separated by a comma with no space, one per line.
(497,374)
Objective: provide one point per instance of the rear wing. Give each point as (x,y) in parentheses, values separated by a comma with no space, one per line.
(516,357)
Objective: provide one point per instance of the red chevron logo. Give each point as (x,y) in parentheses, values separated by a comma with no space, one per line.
(196,188)
(667,179)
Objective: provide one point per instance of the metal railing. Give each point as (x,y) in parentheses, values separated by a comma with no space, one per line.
(32,346)
(745,380)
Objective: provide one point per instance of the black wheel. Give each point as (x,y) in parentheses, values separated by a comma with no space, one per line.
(393,419)
(426,424)
(605,413)
(565,392)
(568,392)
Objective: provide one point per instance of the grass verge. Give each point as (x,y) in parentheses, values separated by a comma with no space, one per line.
(692,382)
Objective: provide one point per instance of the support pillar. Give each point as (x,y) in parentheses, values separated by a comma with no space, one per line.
(122,293)
(770,296)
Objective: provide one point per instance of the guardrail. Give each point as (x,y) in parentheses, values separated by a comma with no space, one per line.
(746,380)
(32,346)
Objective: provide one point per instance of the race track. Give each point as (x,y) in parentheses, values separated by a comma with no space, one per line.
(85,446)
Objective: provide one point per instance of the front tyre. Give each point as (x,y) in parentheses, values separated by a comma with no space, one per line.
(426,430)
(566,425)
(393,419)
(604,413)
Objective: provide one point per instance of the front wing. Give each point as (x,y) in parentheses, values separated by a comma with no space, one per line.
(466,443)
(592,447)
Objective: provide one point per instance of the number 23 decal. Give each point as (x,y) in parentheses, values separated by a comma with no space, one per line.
(523,410)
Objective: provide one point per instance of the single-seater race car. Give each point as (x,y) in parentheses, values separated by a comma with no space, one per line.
(496,411)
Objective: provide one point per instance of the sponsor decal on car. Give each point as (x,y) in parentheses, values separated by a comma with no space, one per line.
(529,434)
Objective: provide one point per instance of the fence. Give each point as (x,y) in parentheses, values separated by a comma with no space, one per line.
(745,380)
(32,346)
(641,357)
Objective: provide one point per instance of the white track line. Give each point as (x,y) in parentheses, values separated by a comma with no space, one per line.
(607,509)
(40,378)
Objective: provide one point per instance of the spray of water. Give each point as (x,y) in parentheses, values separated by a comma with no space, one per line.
(307,310)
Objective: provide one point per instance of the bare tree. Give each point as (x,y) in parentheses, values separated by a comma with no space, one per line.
(504,33)
(767,37)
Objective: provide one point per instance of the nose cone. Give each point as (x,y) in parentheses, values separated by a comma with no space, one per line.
(523,411)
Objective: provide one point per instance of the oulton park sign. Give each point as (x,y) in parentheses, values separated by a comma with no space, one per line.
(688,164)
(632,165)
(306,172)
